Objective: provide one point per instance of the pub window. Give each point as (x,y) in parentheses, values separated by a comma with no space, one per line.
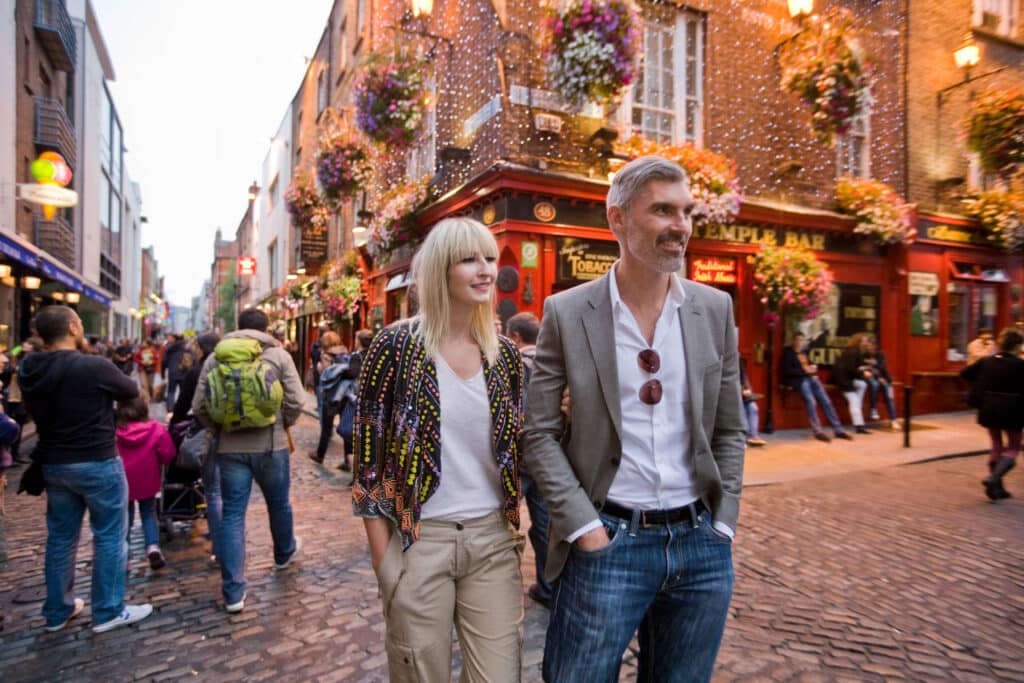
(971,307)
(978,178)
(322,91)
(666,104)
(853,149)
(720,273)
(422,157)
(998,16)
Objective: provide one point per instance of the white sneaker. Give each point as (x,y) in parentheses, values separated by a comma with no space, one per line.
(79,606)
(236,607)
(129,615)
(874,415)
(287,563)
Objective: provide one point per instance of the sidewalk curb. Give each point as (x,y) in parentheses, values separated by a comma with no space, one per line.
(922,461)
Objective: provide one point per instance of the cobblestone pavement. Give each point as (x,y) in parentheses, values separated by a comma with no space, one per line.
(900,573)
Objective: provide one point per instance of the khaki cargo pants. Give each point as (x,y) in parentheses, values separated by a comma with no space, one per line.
(466,575)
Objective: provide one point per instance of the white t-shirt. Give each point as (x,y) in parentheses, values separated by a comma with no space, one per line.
(469,486)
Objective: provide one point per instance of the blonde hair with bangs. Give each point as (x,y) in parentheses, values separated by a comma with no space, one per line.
(450,241)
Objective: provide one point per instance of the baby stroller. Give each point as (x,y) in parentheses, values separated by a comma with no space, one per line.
(181,499)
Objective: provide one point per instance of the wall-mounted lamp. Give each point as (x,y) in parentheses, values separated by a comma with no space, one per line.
(57,296)
(72,297)
(800,9)
(421,8)
(291,277)
(5,270)
(31,282)
(967,55)
(254,190)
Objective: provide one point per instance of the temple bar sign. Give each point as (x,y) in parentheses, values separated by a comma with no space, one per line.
(773,237)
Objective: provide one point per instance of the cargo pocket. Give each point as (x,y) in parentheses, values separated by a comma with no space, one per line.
(390,572)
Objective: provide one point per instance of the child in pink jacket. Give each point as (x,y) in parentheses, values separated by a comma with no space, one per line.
(144,445)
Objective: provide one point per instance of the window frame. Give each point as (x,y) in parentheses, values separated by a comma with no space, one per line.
(1008,15)
(844,148)
(681,96)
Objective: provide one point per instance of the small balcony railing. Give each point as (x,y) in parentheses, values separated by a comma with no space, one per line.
(53,129)
(56,33)
(56,237)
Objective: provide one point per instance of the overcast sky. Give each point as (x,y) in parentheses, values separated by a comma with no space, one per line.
(201,86)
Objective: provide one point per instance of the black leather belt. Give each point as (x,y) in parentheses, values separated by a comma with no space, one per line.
(648,518)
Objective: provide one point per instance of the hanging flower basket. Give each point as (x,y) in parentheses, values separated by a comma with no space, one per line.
(394,222)
(342,167)
(303,202)
(824,66)
(995,130)
(713,182)
(391,99)
(879,210)
(1001,214)
(790,281)
(339,293)
(591,50)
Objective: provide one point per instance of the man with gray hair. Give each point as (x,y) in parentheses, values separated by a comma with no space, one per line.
(643,496)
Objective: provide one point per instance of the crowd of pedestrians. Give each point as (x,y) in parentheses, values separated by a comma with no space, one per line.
(624,436)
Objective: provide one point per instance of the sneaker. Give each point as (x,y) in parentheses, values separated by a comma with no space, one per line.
(236,607)
(861,430)
(874,415)
(844,435)
(894,424)
(129,615)
(287,563)
(79,606)
(822,436)
(756,441)
(156,558)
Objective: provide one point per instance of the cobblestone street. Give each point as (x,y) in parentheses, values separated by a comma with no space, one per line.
(898,573)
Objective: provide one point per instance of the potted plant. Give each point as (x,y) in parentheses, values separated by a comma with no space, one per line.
(393,225)
(824,65)
(1001,215)
(713,181)
(995,130)
(342,166)
(591,49)
(391,99)
(789,281)
(304,204)
(879,210)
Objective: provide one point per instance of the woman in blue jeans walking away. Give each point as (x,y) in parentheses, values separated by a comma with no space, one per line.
(144,445)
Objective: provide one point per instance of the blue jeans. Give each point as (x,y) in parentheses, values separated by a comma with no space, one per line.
(237,471)
(147,513)
(71,489)
(210,473)
(670,583)
(814,394)
(538,531)
(873,388)
(753,418)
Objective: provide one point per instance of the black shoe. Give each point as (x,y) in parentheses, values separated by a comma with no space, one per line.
(845,436)
(822,436)
(994,483)
(318,459)
(861,430)
(344,466)
(537,596)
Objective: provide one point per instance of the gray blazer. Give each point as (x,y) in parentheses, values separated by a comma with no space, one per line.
(576,347)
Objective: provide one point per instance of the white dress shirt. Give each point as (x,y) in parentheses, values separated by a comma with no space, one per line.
(655,469)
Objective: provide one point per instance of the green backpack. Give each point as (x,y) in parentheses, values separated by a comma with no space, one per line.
(242,390)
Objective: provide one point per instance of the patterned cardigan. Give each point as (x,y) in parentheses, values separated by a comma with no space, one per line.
(397,431)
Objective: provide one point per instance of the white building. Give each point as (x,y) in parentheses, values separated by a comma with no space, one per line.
(271,226)
(109,211)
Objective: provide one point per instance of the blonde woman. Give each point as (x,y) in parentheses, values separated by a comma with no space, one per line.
(437,481)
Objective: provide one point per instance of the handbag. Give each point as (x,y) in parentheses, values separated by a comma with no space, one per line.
(348,416)
(32,481)
(194,450)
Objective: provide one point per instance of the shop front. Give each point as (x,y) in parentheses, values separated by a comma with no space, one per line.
(922,302)
(957,283)
(30,279)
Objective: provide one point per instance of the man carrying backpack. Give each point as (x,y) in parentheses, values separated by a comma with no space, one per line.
(249,393)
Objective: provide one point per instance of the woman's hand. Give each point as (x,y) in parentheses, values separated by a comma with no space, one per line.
(378,533)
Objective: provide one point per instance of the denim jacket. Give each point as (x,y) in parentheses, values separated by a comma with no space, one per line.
(398,430)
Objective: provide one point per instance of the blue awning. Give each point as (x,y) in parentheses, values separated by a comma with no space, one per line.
(26,255)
